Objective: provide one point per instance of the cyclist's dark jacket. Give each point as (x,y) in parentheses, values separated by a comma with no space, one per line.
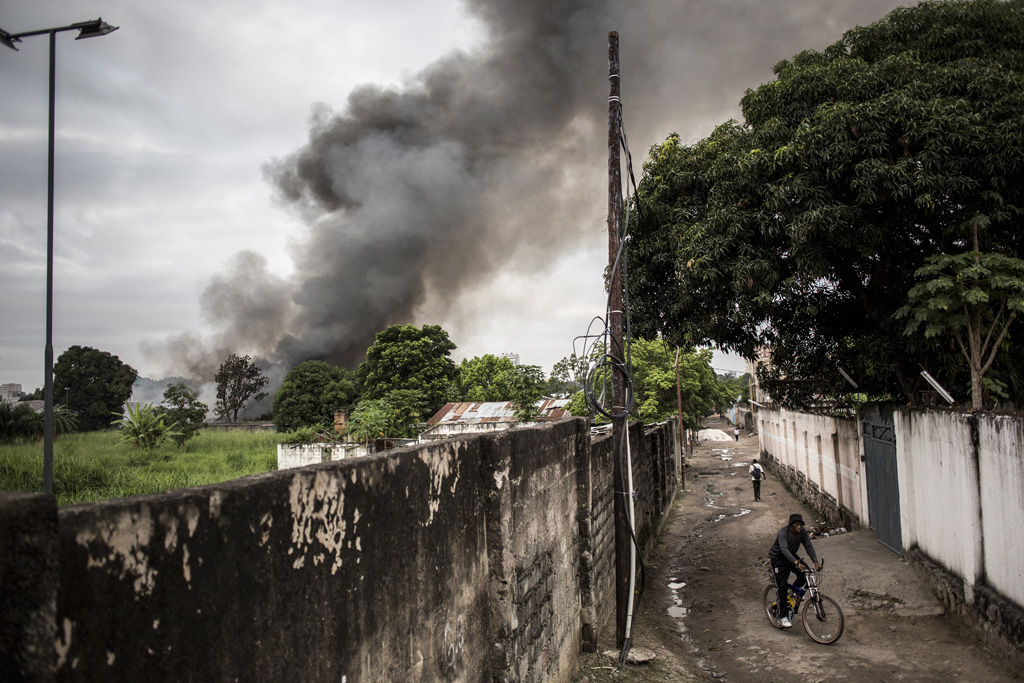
(787,543)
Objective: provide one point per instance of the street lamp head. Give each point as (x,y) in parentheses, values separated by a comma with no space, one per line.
(92,29)
(8,39)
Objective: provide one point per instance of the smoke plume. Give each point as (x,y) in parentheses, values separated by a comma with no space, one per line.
(487,160)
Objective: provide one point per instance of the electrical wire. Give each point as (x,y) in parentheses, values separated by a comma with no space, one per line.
(608,356)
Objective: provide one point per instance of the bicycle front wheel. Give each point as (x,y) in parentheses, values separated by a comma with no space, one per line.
(770,610)
(823,620)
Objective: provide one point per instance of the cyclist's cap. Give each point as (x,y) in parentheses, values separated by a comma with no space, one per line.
(796,518)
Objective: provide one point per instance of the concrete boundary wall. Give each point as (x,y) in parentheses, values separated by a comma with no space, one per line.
(961,491)
(817,457)
(487,558)
(962,477)
(940,505)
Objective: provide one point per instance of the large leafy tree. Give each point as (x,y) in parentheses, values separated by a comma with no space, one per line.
(407,357)
(239,380)
(485,378)
(92,384)
(802,227)
(310,394)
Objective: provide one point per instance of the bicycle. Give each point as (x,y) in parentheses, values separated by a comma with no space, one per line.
(822,617)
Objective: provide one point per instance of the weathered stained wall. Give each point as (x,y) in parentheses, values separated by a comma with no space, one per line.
(535,557)
(818,457)
(1001,466)
(461,560)
(363,569)
(962,477)
(940,508)
(28,587)
(596,519)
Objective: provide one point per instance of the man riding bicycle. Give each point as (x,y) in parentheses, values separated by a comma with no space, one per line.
(784,560)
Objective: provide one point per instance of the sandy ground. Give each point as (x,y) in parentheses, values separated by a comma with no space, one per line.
(701,614)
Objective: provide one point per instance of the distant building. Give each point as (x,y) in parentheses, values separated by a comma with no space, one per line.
(472,418)
(11,393)
(757,392)
(514,357)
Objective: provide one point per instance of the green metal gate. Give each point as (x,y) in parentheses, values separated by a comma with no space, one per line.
(882,483)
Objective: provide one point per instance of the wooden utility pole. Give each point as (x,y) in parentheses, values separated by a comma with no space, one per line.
(617,350)
(682,432)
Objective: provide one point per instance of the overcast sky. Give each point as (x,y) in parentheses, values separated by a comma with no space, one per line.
(285,179)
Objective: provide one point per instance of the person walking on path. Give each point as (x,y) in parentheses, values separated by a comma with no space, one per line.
(784,560)
(756,475)
(736,432)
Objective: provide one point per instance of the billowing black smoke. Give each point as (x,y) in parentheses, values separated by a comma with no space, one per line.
(487,160)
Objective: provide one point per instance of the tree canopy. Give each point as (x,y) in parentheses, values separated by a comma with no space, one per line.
(310,394)
(93,384)
(239,380)
(802,227)
(485,378)
(655,392)
(417,359)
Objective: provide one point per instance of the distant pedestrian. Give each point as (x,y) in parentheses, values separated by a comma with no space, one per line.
(736,432)
(756,475)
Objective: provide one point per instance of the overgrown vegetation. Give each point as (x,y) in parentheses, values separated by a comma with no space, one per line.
(142,427)
(92,466)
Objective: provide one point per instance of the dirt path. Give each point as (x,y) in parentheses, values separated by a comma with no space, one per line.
(701,612)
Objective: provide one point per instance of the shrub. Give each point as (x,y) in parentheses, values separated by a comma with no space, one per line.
(143,427)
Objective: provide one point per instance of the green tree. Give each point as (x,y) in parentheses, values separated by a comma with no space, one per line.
(408,409)
(731,387)
(526,385)
(404,357)
(566,377)
(239,380)
(93,384)
(310,394)
(975,297)
(183,408)
(370,419)
(654,384)
(485,378)
(143,427)
(802,227)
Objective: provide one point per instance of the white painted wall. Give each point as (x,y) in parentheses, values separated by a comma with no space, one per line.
(805,442)
(940,510)
(302,454)
(1001,463)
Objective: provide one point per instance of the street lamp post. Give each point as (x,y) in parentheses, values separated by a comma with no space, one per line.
(86,29)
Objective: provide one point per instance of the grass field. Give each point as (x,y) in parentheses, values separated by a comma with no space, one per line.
(94,466)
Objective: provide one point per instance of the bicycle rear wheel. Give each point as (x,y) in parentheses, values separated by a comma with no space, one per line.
(770,594)
(823,620)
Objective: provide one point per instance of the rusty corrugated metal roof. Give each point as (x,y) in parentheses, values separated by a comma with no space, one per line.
(498,411)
